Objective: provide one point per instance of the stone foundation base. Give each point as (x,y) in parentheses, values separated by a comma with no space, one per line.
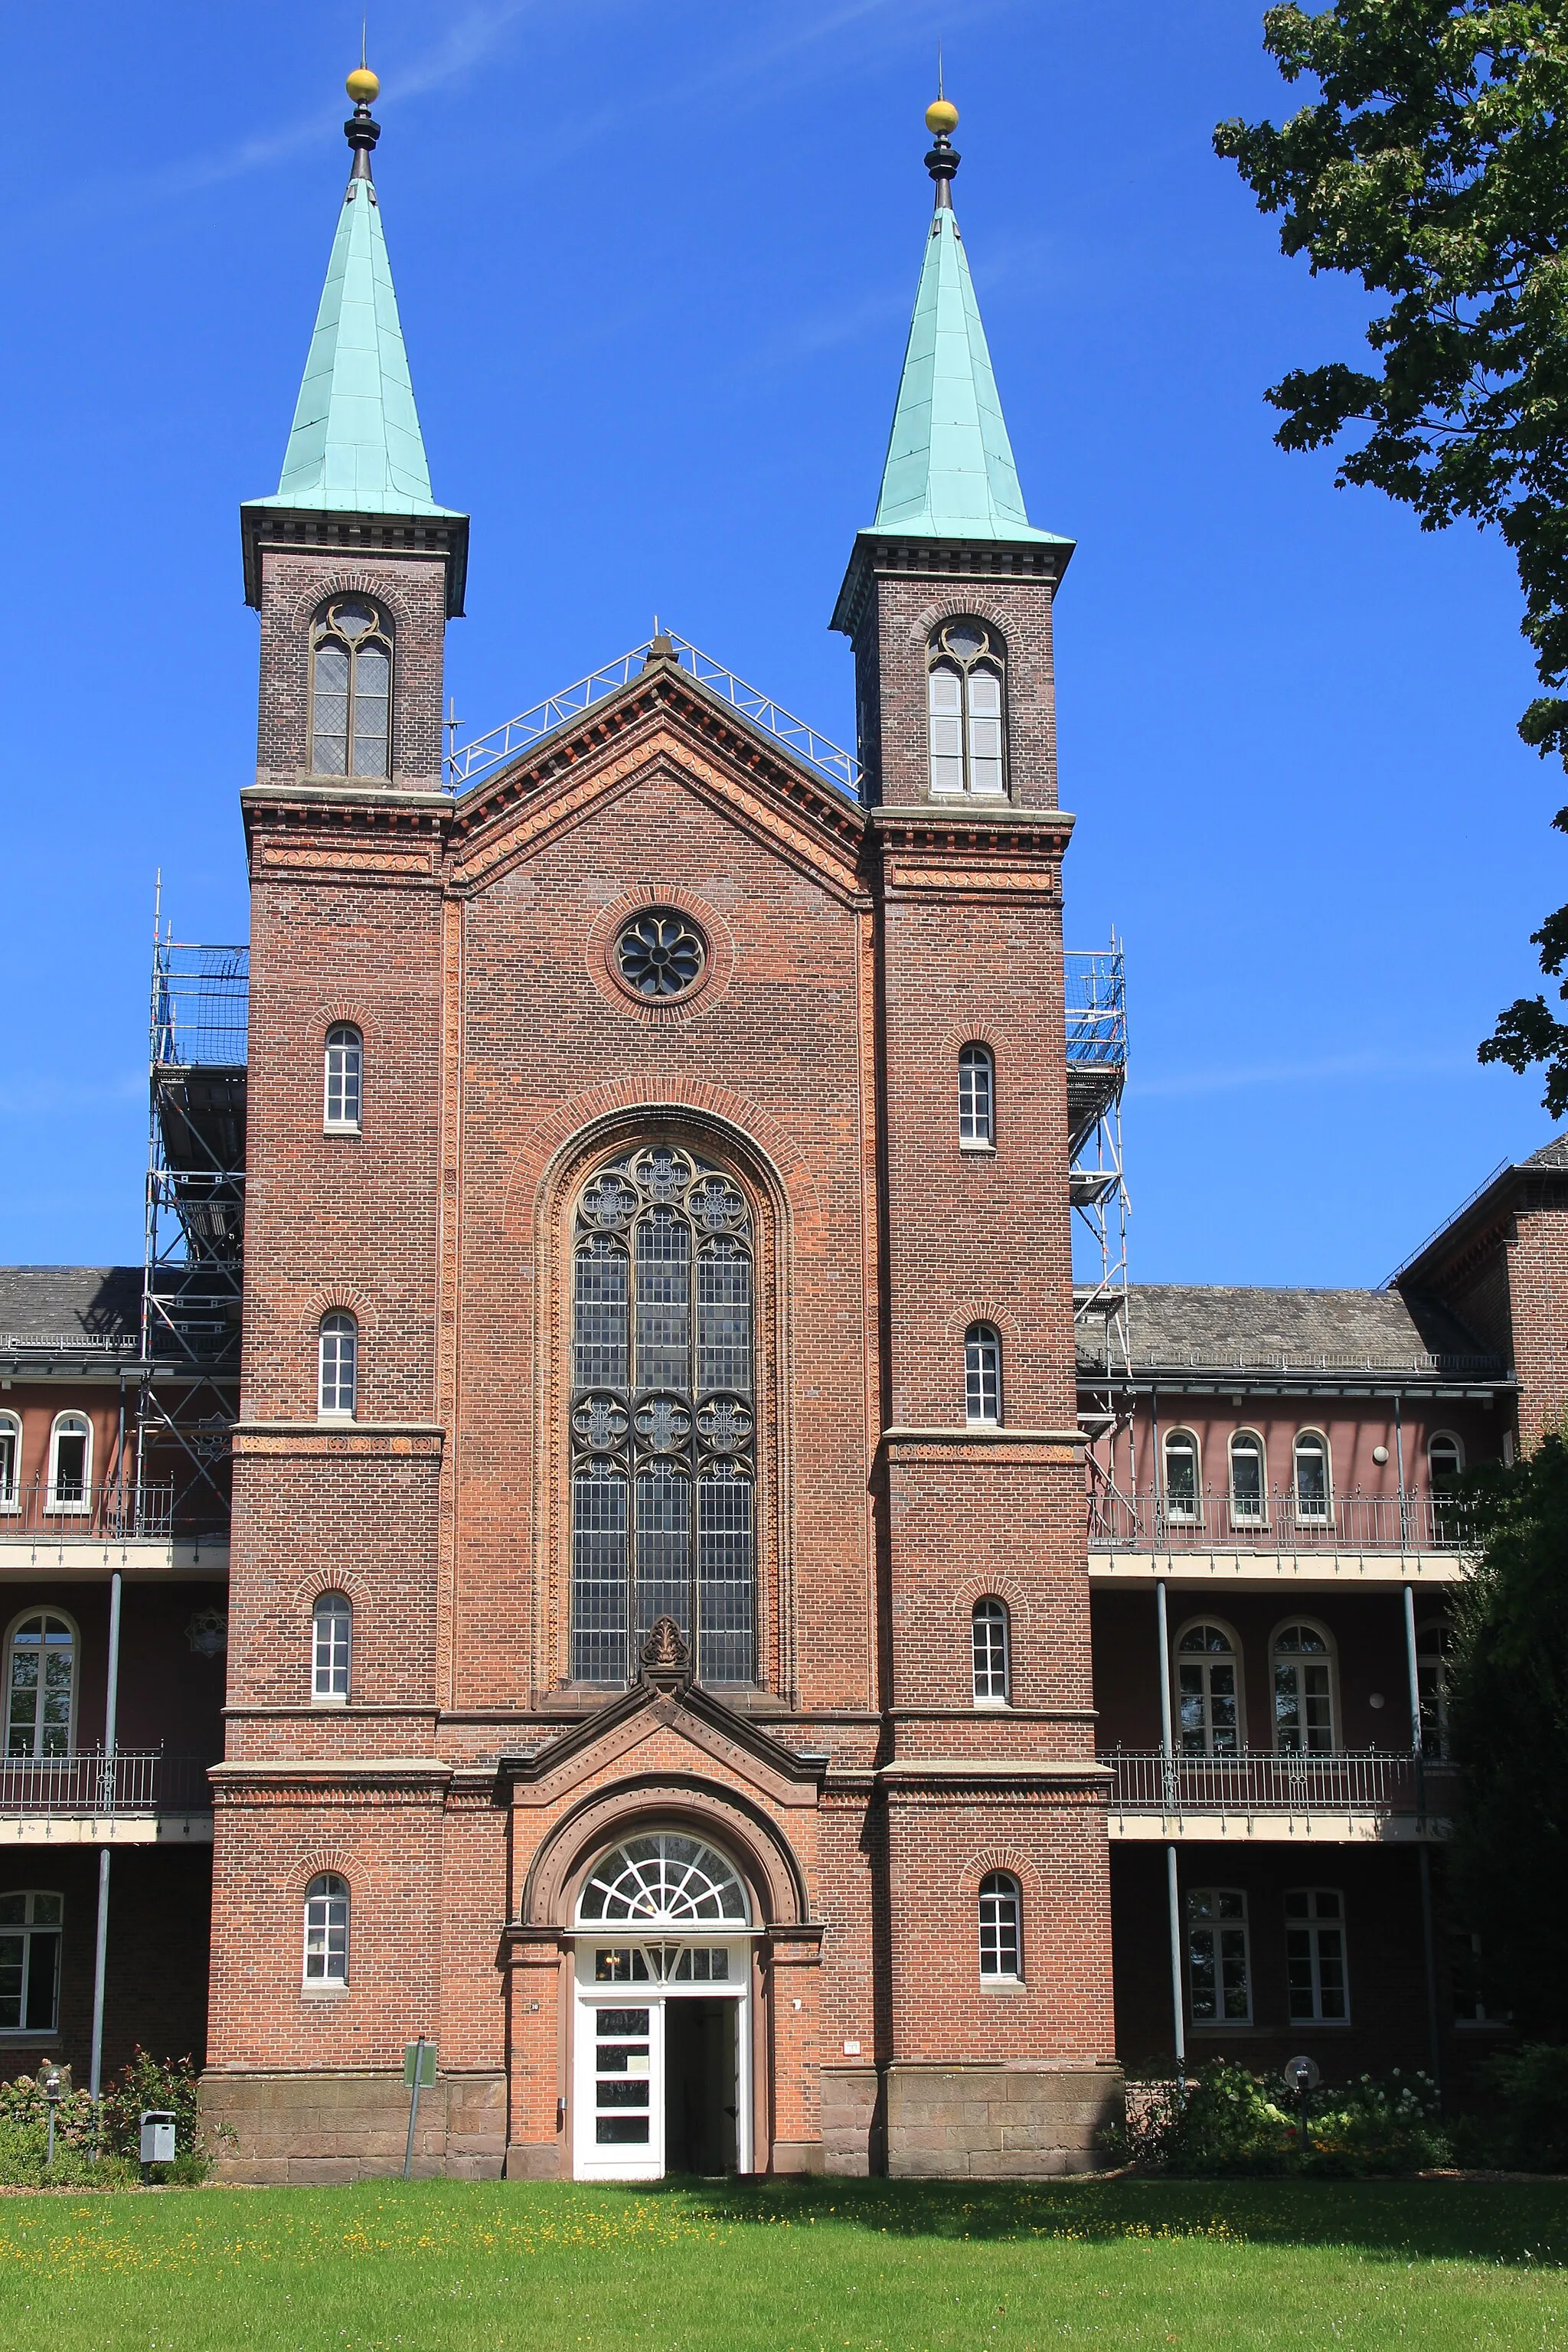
(1019,2121)
(315,2127)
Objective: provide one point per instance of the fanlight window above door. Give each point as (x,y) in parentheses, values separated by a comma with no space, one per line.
(664,1880)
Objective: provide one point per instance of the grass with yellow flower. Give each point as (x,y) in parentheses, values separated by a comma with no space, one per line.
(826,2266)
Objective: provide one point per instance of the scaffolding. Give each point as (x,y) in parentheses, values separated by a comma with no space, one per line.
(1097,1072)
(194,1232)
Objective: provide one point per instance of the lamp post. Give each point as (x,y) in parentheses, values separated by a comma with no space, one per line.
(54,2092)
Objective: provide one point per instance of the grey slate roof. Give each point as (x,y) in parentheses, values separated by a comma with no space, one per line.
(1550,1155)
(78,1305)
(1187,1324)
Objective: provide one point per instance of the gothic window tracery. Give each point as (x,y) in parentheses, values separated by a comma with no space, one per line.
(663,1422)
(965,676)
(351,689)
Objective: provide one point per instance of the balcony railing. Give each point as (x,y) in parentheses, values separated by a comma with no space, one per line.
(1216,1522)
(88,1783)
(1342,1782)
(75,1512)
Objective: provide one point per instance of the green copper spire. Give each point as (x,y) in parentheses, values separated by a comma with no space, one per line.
(949,472)
(355,445)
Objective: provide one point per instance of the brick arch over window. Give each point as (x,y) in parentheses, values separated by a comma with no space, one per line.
(319,1861)
(1021,1866)
(718,1816)
(963,608)
(989,1588)
(310,1589)
(383,585)
(984,1309)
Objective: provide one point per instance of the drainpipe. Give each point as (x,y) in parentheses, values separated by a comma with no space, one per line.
(1399,1463)
(1173,1895)
(1428,1934)
(101,1959)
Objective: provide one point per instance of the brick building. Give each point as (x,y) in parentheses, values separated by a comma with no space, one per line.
(721,1635)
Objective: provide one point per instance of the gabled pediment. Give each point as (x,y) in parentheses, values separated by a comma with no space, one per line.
(648,1729)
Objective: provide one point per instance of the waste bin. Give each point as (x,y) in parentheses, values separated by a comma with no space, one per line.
(157,2136)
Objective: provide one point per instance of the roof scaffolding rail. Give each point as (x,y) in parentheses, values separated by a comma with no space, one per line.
(467,760)
(1095,994)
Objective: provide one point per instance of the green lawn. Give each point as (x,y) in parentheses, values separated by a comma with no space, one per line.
(821,2267)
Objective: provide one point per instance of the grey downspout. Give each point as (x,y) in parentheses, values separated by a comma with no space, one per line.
(1173,1894)
(1428,1933)
(101,1959)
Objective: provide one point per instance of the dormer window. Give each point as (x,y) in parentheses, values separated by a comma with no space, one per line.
(350,690)
(965,667)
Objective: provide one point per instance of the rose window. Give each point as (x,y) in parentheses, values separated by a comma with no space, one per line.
(660,954)
(665,1880)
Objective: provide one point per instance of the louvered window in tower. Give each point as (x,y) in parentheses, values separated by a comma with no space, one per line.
(965,705)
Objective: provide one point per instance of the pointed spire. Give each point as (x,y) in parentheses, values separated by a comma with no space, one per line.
(949,472)
(355,445)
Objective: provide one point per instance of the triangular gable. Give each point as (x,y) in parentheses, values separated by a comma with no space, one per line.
(719,1738)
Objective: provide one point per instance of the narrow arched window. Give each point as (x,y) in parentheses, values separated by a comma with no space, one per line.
(30,1961)
(40,1685)
(1444,1461)
(344,1070)
(1312,1487)
(1248,1491)
(1209,1691)
(71,1462)
(1000,1939)
(332,1628)
(976,1098)
(327,1930)
(964,688)
(10,1462)
(993,1659)
(1433,1643)
(1183,1497)
(982,1374)
(1303,1691)
(351,689)
(338,1385)
(664,1521)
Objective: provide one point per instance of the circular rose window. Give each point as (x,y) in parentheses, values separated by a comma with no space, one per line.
(660,954)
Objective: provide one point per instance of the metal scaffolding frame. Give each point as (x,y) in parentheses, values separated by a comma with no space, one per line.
(1096,991)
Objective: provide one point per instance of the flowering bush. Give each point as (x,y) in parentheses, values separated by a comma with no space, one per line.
(99,2149)
(1224,2119)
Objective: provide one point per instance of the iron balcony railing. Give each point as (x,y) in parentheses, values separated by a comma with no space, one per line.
(87,1783)
(1283,1522)
(1333,1784)
(71,1511)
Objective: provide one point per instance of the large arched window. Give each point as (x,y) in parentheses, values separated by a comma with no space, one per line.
(664,1880)
(342,1075)
(1184,1483)
(982,1374)
(1000,1927)
(976,1098)
(965,671)
(326,1930)
(71,1462)
(1249,1491)
(1303,1691)
(993,1648)
(40,1685)
(1208,1690)
(332,1626)
(663,1422)
(351,689)
(1313,1487)
(337,1365)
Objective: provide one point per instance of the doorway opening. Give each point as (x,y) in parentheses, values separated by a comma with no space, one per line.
(702,2086)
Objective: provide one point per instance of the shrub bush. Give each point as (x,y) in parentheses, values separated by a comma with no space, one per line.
(99,2150)
(1527,2131)
(1225,2120)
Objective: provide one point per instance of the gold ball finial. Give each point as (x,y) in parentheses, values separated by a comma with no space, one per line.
(362,85)
(942,117)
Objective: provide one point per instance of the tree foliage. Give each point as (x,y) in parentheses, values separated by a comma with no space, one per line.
(1508,1712)
(1433,166)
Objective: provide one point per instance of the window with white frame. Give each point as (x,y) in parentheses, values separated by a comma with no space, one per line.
(1303,1691)
(1315,1957)
(1248,1491)
(338,1385)
(30,1924)
(342,1075)
(327,1930)
(1432,1648)
(71,1462)
(1000,1906)
(1445,1461)
(1219,1957)
(332,1630)
(976,1098)
(1183,1494)
(982,1374)
(1208,1690)
(351,689)
(993,1660)
(40,1685)
(963,689)
(10,1462)
(1312,1488)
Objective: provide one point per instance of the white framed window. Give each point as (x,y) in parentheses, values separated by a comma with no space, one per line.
(1208,1690)
(351,689)
(331,1622)
(1000,1924)
(1248,1481)
(1183,1479)
(342,1075)
(977,1099)
(1314,1490)
(10,1462)
(1433,1640)
(327,1930)
(1445,1461)
(41,1683)
(1316,1974)
(30,1924)
(71,1462)
(1303,1690)
(991,1636)
(338,1368)
(982,1374)
(964,710)
(1219,1957)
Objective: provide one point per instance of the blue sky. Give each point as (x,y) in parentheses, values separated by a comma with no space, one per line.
(654,267)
